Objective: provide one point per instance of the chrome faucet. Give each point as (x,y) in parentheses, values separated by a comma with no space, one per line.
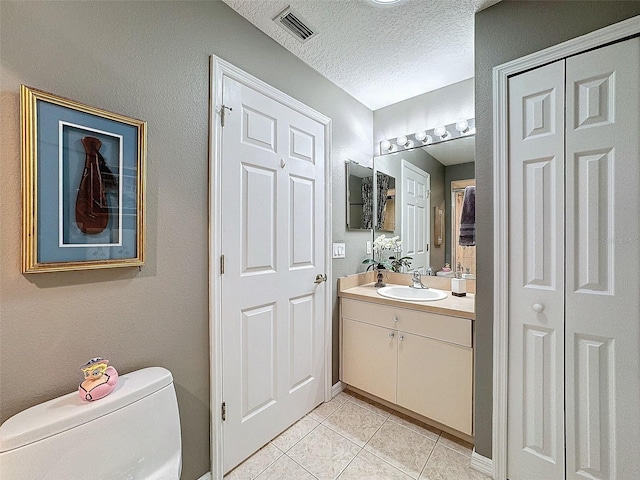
(417,280)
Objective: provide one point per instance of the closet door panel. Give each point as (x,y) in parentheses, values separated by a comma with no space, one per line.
(536,274)
(603,263)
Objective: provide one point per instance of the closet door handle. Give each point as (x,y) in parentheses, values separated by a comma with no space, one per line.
(391,335)
(537,307)
(395,319)
(401,337)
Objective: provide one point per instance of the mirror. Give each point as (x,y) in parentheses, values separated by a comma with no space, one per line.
(423,184)
(359,196)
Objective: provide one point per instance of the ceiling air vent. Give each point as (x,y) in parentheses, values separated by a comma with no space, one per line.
(293,23)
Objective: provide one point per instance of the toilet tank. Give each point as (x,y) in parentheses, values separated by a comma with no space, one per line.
(131,434)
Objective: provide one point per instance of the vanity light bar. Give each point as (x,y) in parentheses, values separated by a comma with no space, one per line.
(421,138)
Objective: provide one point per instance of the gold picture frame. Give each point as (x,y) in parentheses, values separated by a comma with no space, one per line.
(83,180)
(438,226)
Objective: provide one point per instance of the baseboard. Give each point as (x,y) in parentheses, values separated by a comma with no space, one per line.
(206,476)
(337,388)
(481,464)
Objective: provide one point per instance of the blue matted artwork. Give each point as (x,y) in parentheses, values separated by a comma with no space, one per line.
(86,193)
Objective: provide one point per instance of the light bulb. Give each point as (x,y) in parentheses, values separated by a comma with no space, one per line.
(402,141)
(441,131)
(428,139)
(385,145)
(462,126)
(420,135)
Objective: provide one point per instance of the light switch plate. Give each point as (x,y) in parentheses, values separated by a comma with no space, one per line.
(339,250)
(369,247)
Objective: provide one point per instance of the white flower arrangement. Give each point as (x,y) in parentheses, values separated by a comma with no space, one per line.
(394,262)
(383,243)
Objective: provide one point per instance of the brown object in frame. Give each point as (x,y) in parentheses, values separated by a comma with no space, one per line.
(92,208)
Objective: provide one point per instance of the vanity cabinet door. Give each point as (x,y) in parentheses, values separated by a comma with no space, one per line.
(435,379)
(370,358)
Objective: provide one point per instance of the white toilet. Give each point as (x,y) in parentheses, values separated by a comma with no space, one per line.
(131,434)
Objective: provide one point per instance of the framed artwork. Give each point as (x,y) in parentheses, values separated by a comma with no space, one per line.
(83,177)
(438,226)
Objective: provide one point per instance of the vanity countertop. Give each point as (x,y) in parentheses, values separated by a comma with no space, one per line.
(454,306)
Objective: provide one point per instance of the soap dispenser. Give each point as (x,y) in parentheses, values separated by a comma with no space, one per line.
(459,284)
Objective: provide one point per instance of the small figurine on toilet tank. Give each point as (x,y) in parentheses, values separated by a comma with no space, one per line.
(99,379)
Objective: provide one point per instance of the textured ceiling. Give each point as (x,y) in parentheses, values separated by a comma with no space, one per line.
(379,54)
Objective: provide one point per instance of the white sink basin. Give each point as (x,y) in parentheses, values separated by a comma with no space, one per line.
(401,292)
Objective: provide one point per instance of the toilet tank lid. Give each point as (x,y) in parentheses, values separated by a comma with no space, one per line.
(69,411)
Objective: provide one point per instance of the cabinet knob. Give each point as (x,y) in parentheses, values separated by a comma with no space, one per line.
(392,334)
(401,337)
(538,308)
(395,319)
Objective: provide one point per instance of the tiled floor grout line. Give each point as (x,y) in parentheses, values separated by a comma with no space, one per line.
(386,419)
(274,461)
(284,453)
(347,465)
(435,442)
(293,460)
(428,457)
(361,448)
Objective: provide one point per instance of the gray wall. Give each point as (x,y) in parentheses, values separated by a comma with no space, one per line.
(148,60)
(443,106)
(504,32)
(462,171)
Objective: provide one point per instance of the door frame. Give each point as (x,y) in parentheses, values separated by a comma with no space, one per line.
(501,74)
(220,68)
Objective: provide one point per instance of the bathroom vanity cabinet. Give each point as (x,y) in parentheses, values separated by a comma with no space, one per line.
(418,360)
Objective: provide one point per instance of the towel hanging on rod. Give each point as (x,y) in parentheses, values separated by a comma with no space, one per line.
(468,218)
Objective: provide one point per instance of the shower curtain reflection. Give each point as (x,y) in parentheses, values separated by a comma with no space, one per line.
(367,202)
(385,202)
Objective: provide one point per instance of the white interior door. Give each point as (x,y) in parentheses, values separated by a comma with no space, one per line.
(603,263)
(536,275)
(416,201)
(273,232)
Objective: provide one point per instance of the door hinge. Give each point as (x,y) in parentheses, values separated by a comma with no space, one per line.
(221,264)
(223,113)
(427,247)
(224,411)
(428,191)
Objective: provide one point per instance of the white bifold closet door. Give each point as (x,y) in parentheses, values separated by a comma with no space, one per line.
(574,267)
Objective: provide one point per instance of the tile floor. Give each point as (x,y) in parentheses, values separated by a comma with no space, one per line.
(351,438)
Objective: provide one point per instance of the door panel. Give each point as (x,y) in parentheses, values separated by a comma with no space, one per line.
(416,186)
(603,263)
(258,218)
(273,241)
(302,220)
(258,348)
(302,341)
(539,399)
(536,256)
